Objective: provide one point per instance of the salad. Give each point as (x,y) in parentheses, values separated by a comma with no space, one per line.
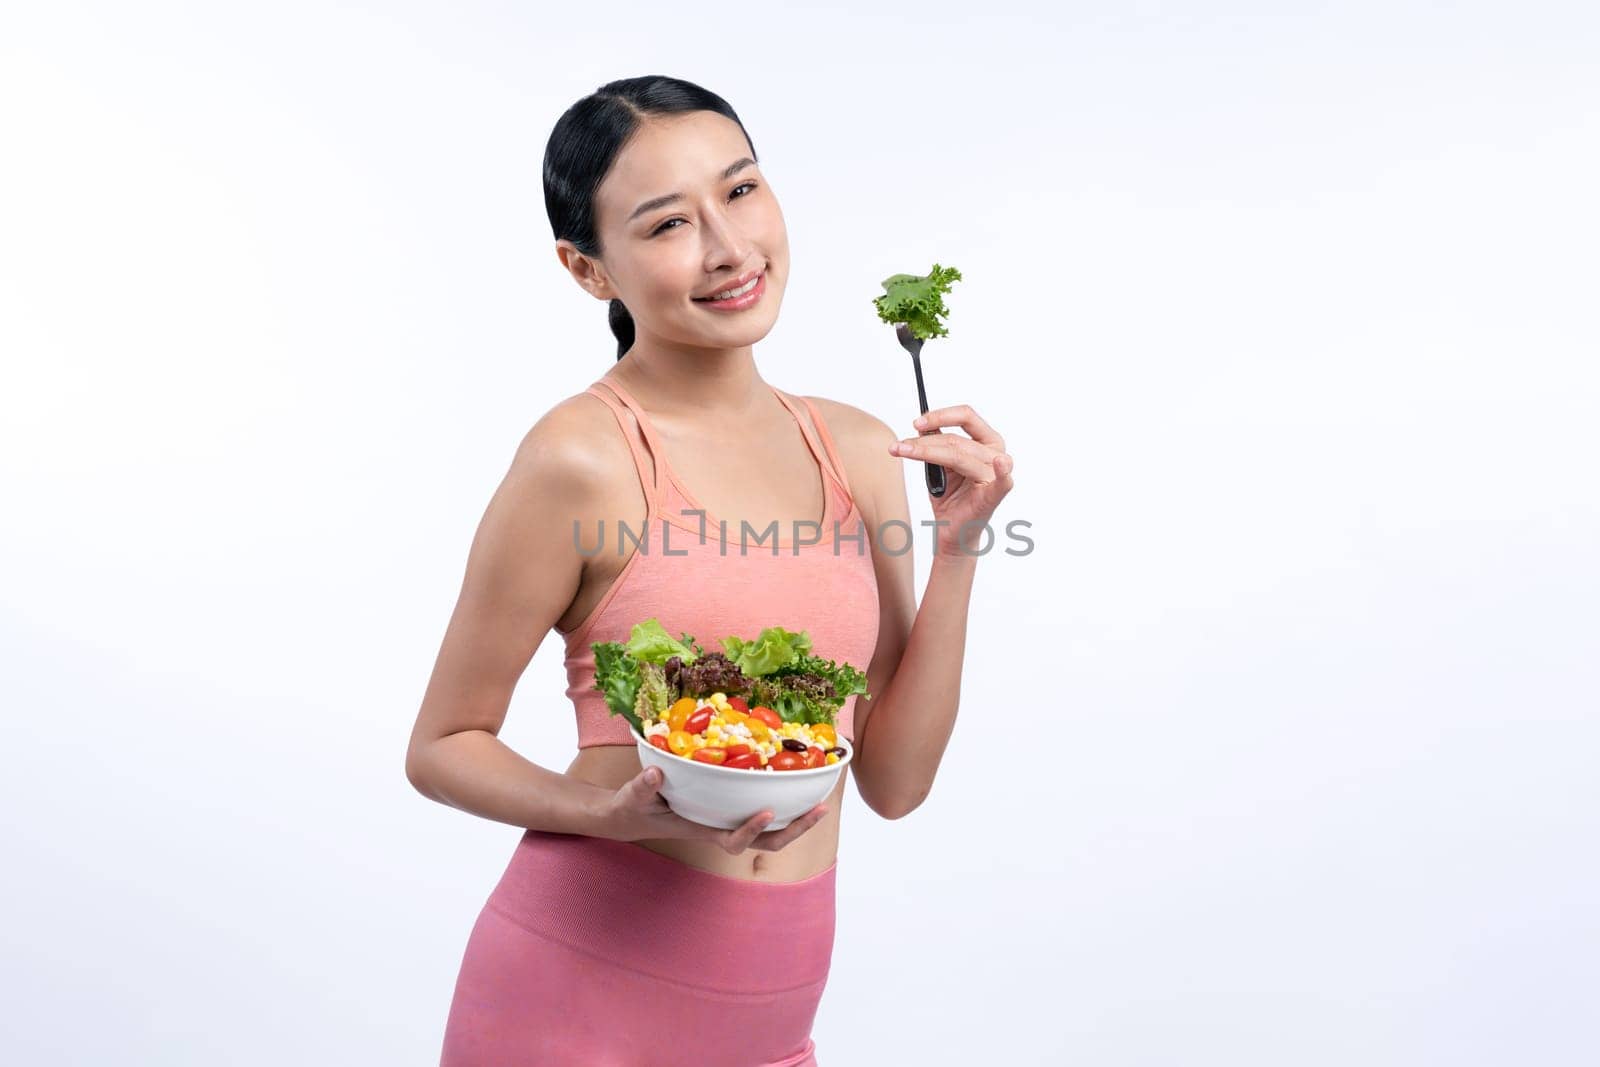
(762,705)
(917,300)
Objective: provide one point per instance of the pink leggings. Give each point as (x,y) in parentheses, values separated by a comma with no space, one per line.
(603,953)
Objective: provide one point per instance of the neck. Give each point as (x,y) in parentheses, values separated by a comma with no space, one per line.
(675,378)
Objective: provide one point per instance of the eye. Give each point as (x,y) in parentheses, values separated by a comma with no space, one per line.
(668,224)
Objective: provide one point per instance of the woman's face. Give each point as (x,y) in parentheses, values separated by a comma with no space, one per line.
(724,225)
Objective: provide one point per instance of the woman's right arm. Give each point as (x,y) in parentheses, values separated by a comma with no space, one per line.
(521,576)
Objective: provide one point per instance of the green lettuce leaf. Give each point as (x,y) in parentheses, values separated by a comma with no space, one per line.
(787,677)
(796,697)
(917,300)
(654,696)
(649,642)
(847,680)
(616,674)
(774,649)
(797,707)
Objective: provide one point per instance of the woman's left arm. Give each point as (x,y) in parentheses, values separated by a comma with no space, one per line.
(915,674)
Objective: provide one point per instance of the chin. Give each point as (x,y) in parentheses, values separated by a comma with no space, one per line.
(747,327)
(745,334)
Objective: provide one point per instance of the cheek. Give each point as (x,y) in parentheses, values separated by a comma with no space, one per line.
(774,237)
(673,272)
(778,251)
(776,231)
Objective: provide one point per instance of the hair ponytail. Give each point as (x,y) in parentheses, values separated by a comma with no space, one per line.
(584,144)
(622,326)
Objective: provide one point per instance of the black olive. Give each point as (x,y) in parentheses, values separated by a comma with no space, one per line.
(794,744)
(837,751)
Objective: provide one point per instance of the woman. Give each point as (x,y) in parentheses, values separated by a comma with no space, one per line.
(621,933)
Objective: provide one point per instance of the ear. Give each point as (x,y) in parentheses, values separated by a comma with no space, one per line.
(585,270)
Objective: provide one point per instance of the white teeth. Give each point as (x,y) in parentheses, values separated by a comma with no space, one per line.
(728,294)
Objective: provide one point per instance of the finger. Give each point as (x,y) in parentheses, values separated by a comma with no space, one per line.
(1003,466)
(737,840)
(971,459)
(963,416)
(773,840)
(641,789)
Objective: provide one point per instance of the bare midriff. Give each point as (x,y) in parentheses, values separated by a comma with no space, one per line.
(611,766)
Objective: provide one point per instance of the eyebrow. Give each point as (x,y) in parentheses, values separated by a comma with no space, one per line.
(663,201)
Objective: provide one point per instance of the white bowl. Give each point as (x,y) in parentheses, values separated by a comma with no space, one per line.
(724,797)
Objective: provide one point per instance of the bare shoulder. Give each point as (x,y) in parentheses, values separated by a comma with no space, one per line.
(852,426)
(574,450)
(862,439)
(523,571)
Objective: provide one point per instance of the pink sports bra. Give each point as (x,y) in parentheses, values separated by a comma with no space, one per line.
(713,587)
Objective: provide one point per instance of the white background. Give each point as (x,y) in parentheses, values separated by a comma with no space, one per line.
(1281,746)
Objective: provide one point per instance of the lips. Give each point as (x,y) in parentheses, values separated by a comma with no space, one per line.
(737,283)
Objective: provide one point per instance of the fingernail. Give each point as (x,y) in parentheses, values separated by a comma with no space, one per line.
(894,449)
(921,420)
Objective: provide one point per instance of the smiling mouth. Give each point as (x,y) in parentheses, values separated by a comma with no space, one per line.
(735,293)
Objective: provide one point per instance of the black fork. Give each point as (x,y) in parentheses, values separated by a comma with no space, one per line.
(913,344)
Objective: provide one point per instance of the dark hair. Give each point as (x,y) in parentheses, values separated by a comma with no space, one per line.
(584,145)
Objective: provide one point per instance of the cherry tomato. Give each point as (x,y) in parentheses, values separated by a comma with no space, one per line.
(660,742)
(737,750)
(680,712)
(785,760)
(747,761)
(697,723)
(816,757)
(758,729)
(680,742)
(738,702)
(710,754)
(825,733)
(767,715)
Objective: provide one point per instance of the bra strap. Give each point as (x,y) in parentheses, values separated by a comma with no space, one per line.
(646,427)
(812,442)
(650,482)
(827,442)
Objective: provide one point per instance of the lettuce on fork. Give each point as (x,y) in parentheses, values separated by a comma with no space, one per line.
(917,300)
(646,675)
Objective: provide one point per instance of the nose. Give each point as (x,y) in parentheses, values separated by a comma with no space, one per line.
(726,243)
